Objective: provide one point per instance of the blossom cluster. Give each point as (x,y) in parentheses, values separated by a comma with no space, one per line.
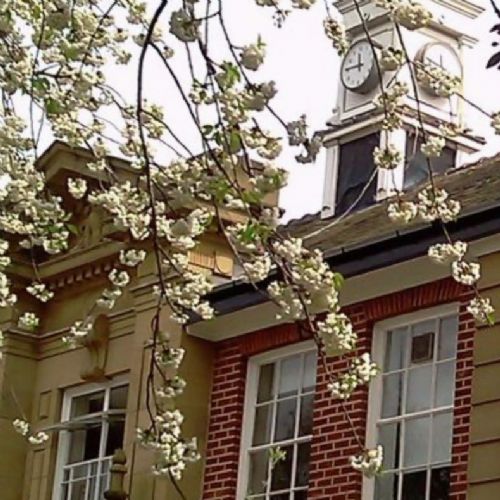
(22,427)
(335,31)
(361,371)
(337,334)
(432,204)
(390,101)
(369,463)
(438,80)
(164,436)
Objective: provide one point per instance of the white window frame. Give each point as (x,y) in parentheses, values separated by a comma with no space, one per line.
(379,340)
(64,437)
(251,387)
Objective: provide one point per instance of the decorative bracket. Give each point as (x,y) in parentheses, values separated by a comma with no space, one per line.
(97,347)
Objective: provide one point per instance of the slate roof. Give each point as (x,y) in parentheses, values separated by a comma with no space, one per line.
(476,186)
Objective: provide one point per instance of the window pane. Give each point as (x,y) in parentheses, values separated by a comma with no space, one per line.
(300,495)
(289,376)
(262,424)
(306,415)
(281,475)
(78,491)
(84,444)
(441,437)
(416,445)
(309,381)
(445,383)
(88,403)
(392,391)
(395,349)
(386,487)
(440,483)
(447,347)
(285,419)
(302,471)
(418,394)
(424,327)
(118,398)
(266,378)
(115,436)
(389,438)
(414,485)
(258,472)
(356,188)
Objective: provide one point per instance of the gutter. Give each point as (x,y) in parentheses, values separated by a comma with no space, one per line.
(351,261)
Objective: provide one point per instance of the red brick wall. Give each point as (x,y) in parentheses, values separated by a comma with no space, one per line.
(335,424)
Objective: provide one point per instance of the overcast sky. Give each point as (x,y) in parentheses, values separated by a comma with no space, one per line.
(306,68)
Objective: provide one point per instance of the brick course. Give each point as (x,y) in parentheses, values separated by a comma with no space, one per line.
(336,424)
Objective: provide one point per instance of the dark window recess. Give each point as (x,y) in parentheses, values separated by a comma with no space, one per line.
(355,169)
(416,167)
(422,347)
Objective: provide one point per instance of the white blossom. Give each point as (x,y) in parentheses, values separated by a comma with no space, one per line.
(38,438)
(437,79)
(435,203)
(412,15)
(369,463)
(21,426)
(118,278)
(77,187)
(447,252)
(335,31)
(184,26)
(132,257)
(170,357)
(40,291)
(433,146)
(252,56)
(78,332)
(388,157)
(481,309)
(337,334)
(361,371)
(467,273)
(28,320)
(391,59)
(258,269)
(402,211)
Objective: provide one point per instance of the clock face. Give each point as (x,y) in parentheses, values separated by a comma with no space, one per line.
(441,55)
(358,68)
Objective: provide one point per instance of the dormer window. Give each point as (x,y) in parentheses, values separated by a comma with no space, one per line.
(356,177)
(352,181)
(416,167)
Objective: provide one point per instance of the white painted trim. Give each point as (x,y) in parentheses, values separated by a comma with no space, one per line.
(379,339)
(63,437)
(253,366)
(330,181)
(417,316)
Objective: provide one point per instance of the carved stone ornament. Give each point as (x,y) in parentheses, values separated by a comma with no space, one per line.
(96,345)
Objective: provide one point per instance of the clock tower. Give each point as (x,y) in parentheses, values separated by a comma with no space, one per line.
(351,180)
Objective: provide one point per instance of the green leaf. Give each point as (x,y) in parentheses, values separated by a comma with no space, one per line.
(490,319)
(41,83)
(73,229)
(52,107)
(71,53)
(234,142)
